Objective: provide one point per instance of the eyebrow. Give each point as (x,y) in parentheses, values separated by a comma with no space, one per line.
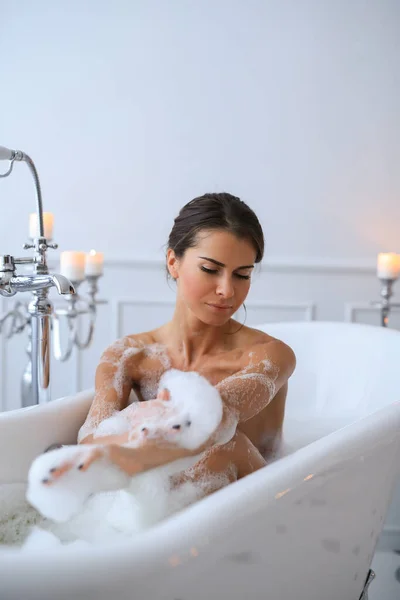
(220,264)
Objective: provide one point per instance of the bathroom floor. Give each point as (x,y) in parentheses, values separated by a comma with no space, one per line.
(385,586)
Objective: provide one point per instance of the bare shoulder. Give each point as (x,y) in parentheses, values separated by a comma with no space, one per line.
(259,346)
(128,344)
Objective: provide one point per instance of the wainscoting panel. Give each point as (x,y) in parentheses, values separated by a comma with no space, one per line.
(133,316)
(259,313)
(370,315)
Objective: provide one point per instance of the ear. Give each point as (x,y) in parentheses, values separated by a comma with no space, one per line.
(172,264)
(164,395)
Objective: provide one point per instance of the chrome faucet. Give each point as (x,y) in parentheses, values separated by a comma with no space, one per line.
(39,283)
(10,283)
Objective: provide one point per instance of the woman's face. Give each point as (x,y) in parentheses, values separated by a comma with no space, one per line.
(214,276)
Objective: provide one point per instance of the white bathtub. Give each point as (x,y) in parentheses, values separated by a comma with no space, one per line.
(304,527)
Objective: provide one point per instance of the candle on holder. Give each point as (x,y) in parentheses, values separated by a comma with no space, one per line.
(72,265)
(94,263)
(48,222)
(388,266)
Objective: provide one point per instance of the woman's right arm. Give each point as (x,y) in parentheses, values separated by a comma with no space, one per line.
(115,373)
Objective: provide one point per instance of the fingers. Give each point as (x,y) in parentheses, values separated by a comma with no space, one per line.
(81,461)
(164,395)
(56,472)
(95,454)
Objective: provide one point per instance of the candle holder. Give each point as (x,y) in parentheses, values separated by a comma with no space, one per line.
(385,304)
(76,307)
(39,315)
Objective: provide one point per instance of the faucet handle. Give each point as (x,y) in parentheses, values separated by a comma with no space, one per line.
(7,272)
(7,263)
(42,245)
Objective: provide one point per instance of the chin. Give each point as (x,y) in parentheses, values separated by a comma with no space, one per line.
(213,319)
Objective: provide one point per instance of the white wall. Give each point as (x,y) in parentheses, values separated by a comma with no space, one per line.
(131,108)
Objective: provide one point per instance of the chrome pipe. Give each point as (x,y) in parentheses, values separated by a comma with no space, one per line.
(12,155)
(40,308)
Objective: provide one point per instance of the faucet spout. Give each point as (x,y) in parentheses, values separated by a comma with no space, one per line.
(31,283)
(63,285)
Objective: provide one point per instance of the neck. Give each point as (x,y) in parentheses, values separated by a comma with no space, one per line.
(192,339)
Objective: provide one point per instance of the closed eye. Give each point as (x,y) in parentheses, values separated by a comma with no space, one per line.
(215,271)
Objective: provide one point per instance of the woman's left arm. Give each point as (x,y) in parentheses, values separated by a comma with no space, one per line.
(247,392)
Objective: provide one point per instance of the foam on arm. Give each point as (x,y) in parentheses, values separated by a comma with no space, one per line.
(250,390)
(113,383)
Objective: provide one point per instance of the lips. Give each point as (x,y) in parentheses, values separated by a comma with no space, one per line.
(221,306)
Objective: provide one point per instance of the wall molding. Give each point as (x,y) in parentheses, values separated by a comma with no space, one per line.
(276,264)
(351,309)
(117,305)
(309,308)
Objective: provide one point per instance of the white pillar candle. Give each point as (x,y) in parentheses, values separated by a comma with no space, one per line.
(94,263)
(48,222)
(72,265)
(388,266)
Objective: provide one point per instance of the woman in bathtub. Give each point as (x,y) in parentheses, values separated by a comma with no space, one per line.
(214,244)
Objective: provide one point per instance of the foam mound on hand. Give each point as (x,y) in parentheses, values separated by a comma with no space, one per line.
(195,409)
(66,495)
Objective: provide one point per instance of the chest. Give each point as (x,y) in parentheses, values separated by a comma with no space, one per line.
(214,369)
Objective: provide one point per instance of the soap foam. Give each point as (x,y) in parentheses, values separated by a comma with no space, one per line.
(196,408)
(67,494)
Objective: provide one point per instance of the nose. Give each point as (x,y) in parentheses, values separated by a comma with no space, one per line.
(225,287)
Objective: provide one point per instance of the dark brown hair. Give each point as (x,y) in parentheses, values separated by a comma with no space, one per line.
(215,211)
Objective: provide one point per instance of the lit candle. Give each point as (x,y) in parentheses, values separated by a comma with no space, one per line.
(72,265)
(94,263)
(48,221)
(388,266)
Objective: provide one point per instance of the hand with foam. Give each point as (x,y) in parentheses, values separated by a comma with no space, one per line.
(192,411)
(57,488)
